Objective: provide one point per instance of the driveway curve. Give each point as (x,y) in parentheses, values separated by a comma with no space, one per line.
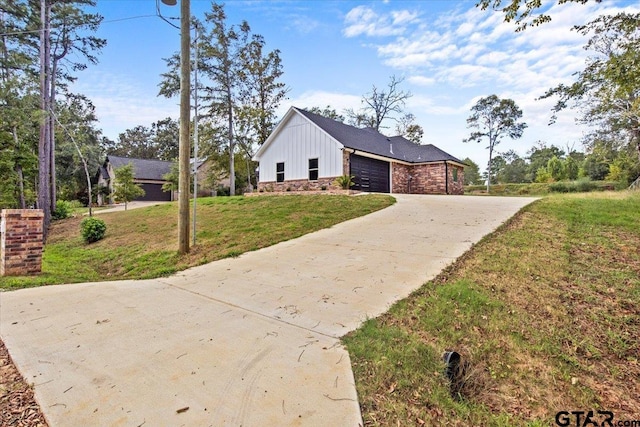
(249,341)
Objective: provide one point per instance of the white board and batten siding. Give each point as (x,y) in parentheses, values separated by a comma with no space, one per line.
(297,142)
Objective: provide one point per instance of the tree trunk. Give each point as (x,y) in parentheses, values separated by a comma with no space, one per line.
(52,135)
(249,173)
(636,137)
(232,170)
(23,203)
(489,169)
(18,169)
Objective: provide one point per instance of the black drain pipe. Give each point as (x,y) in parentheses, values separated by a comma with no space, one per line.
(446,178)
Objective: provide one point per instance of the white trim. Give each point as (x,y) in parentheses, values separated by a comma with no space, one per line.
(373,156)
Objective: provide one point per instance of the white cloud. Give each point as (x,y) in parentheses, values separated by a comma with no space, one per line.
(303,24)
(469,75)
(404,17)
(362,20)
(421,80)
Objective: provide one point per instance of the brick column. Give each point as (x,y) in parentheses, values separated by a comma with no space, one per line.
(21,234)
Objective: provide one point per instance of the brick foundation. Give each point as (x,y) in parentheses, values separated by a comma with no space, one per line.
(298,185)
(21,242)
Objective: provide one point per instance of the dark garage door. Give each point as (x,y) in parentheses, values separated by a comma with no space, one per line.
(370,174)
(154,193)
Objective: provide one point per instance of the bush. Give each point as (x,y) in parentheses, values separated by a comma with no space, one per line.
(583,185)
(93,229)
(223,191)
(63,210)
(345,181)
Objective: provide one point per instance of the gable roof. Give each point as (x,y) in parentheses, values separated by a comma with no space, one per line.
(368,140)
(371,141)
(142,168)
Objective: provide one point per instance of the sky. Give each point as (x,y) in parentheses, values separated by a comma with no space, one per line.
(449,53)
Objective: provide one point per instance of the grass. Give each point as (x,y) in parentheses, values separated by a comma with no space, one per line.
(142,243)
(544,311)
(542,189)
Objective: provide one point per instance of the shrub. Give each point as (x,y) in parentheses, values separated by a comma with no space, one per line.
(345,181)
(562,187)
(93,229)
(63,210)
(585,185)
(223,191)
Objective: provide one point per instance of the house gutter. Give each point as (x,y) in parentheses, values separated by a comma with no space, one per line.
(446,177)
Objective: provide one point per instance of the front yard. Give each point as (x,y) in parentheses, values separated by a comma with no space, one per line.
(142,243)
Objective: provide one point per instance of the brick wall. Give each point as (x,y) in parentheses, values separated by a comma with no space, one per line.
(21,242)
(456,186)
(426,179)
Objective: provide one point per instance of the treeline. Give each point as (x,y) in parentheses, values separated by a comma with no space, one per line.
(606,160)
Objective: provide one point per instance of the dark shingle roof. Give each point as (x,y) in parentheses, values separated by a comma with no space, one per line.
(143,168)
(103,171)
(371,141)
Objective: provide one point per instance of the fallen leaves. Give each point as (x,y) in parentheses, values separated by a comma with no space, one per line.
(18,406)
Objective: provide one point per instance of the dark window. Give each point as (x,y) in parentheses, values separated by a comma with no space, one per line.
(455,174)
(280,172)
(313,169)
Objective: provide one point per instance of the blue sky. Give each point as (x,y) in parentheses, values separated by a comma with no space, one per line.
(449,53)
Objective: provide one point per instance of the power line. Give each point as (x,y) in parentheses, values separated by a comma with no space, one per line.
(129,18)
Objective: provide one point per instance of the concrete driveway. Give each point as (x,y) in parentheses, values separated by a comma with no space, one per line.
(136,204)
(250,341)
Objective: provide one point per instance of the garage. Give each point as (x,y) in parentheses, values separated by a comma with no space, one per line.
(371,175)
(154,193)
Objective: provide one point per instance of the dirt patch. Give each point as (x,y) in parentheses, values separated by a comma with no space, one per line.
(18,406)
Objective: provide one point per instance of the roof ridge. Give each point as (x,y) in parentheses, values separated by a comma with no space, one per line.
(372,141)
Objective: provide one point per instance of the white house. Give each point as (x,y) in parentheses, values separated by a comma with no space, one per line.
(307,151)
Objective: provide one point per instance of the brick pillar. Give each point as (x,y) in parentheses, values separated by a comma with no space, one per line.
(21,234)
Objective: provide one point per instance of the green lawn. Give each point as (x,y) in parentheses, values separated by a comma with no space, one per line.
(142,243)
(545,311)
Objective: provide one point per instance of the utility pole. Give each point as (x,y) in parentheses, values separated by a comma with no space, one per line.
(195,138)
(185,122)
(184,153)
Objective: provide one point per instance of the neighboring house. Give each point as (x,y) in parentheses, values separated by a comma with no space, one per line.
(148,173)
(307,151)
(209,177)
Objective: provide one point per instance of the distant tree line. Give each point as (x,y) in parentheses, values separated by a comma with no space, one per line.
(607,160)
